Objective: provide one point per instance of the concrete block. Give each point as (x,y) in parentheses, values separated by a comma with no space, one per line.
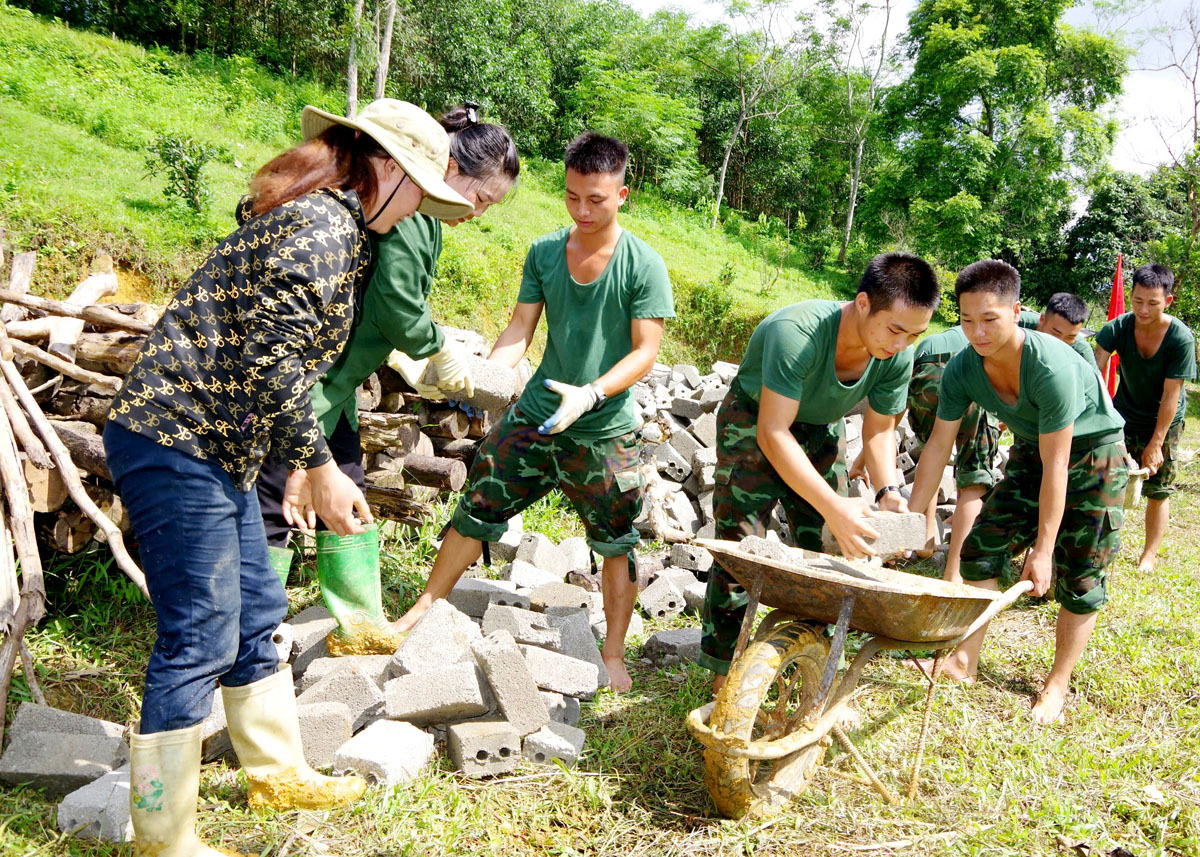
(673,646)
(689,374)
(712,396)
(560,673)
(691,557)
(563,709)
(686,407)
(442,637)
(554,741)
(662,600)
(559,595)
(511,681)
(324,728)
(705,480)
(528,576)
(586,580)
(577,553)
(389,752)
(540,551)
(671,464)
(99,810)
(214,732)
(309,628)
(60,762)
(356,690)
(947,488)
(495,384)
(684,511)
(904,462)
(283,637)
(652,433)
(575,628)
(686,445)
(897,532)
(600,626)
(483,748)
(473,596)
(769,548)
(505,550)
(42,718)
(708,530)
(726,370)
(525,626)
(705,502)
(375,666)
(450,693)
(704,457)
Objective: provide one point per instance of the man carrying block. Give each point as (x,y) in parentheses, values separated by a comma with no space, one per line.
(1065,479)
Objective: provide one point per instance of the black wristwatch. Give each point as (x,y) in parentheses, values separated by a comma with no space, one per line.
(884,490)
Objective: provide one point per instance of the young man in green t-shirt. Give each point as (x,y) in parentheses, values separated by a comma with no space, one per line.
(1157,354)
(1065,479)
(780,434)
(605,294)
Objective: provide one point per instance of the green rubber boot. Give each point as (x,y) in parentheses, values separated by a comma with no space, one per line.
(348,571)
(281,562)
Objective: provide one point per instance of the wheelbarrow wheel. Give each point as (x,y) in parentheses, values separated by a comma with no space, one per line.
(770,688)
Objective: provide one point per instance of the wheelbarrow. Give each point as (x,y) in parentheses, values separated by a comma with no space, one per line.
(769,726)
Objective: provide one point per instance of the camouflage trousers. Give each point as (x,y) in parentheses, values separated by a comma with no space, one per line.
(747,490)
(1088,537)
(978,439)
(1161,485)
(516,466)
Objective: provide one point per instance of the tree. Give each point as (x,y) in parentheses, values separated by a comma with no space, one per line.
(998,123)
(352,62)
(385,49)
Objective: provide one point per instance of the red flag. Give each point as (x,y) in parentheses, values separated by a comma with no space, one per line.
(1116,307)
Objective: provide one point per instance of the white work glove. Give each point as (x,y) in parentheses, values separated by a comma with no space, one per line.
(453,371)
(576,401)
(412,371)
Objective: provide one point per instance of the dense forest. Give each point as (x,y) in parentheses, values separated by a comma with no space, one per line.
(975,128)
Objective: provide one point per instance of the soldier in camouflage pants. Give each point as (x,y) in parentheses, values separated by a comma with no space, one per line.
(1088,537)
(978,438)
(1161,485)
(515,466)
(747,489)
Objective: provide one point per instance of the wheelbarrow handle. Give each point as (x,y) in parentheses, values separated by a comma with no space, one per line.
(1003,602)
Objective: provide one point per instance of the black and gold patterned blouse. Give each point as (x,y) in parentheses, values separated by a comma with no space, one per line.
(225,373)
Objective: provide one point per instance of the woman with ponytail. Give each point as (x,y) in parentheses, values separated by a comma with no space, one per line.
(483,168)
(223,377)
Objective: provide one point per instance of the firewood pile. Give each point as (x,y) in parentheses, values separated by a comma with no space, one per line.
(61,364)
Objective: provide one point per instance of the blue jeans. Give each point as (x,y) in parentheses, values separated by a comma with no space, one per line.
(204,552)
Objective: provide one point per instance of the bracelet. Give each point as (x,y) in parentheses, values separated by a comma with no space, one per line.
(884,490)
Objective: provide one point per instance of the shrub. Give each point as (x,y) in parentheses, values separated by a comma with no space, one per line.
(183,160)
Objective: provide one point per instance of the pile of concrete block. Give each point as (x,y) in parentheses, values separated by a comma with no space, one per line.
(82,759)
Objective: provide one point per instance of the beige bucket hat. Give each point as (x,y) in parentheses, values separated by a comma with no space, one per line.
(413,138)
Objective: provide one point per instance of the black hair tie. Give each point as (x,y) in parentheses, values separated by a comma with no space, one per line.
(472,112)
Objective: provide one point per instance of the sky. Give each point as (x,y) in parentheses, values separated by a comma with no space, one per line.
(1152,111)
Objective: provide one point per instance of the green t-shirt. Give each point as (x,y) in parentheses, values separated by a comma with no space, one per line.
(791,353)
(1141,388)
(944,345)
(395,315)
(1057,388)
(588,325)
(1081,347)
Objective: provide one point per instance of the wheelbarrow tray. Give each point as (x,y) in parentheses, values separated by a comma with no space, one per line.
(888,603)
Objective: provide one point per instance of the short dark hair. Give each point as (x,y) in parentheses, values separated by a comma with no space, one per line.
(1069,306)
(592,153)
(989,275)
(892,277)
(1155,276)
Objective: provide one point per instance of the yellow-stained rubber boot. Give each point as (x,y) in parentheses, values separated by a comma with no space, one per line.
(265,732)
(164,784)
(348,571)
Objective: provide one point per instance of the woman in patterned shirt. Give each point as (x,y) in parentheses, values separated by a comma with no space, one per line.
(222,378)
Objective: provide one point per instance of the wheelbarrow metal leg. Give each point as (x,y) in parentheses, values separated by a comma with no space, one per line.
(938,658)
(877,783)
(748,620)
(838,646)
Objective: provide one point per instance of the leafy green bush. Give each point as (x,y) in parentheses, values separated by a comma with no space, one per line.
(182,159)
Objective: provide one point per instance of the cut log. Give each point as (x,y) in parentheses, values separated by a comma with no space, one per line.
(391,403)
(72,531)
(480,426)
(10,596)
(78,405)
(449,474)
(64,332)
(86,446)
(98,315)
(463,450)
(6,349)
(111,351)
(47,491)
(392,505)
(377,432)
(18,283)
(369,394)
(65,367)
(444,422)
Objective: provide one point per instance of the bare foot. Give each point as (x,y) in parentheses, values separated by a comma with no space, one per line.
(1145,564)
(1048,709)
(618,677)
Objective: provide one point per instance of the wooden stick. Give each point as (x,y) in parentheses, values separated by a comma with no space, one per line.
(98,315)
(35,451)
(6,349)
(65,332)
(66,367)
(30,675)
(10,597)
(112,533)
(18,283)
